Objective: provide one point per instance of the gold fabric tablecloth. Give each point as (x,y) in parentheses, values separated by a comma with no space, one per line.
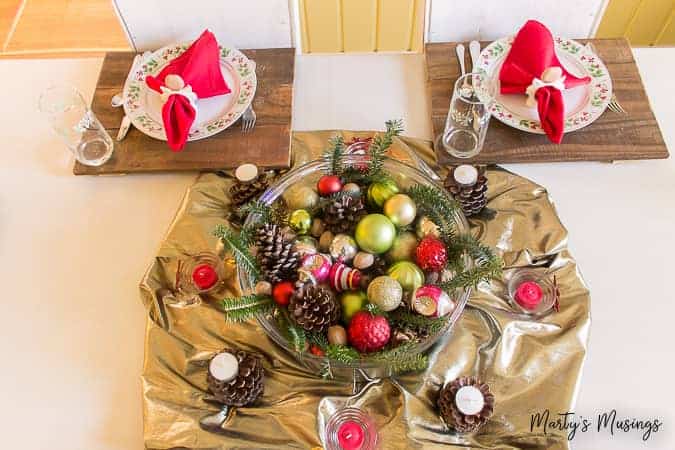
(530,365)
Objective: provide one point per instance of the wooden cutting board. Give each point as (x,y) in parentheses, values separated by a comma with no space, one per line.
(612,137)
(268,145)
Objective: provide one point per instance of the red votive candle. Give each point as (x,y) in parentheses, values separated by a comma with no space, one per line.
(350,435)
(529,295)
(204,276)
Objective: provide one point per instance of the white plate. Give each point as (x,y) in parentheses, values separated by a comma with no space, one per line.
(583,104)
(144,106)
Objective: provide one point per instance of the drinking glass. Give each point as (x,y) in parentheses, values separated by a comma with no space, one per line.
(77,125)
(469,115)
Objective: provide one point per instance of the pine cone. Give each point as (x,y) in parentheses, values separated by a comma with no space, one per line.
(343,213)
(246,387)
(314,308)
(473,198)
(276,256)
(378,268)
(242,193)
(455,418)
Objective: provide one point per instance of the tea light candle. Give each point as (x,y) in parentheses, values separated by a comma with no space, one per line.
(469,400)
(204,276)
(350,435)
(465,175)
(246,173)
(224,367)
(529,295)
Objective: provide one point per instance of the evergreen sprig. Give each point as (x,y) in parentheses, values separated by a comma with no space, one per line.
(402,358)
(342,353)
(441,210)
(318,339)
(334,155)
(380,145)
(406,319)
(243,308)
(375,310)
(487,265)
(296,336)
(268,213)
(238,244)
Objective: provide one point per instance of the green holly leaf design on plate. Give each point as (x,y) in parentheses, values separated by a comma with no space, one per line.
(225,52)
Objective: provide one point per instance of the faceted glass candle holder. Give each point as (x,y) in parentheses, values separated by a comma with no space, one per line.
(542,279)
(186,283)
(350,429)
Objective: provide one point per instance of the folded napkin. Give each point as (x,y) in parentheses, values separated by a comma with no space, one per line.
(532,67)
(194,74)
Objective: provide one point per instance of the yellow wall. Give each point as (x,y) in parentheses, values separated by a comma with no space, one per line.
(643,22)
(361,25)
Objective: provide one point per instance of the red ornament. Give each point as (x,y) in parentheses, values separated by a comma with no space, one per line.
(316,350)
(329,184)
(204,277)
(368,332)
(431,255)
(344,278)
(282,292)
(529,295)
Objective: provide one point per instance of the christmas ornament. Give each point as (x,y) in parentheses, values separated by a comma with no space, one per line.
(337,335)
(317,228)
(409,276)
(368,332)
(469,187)
(343,213)
(305,245)
(343,247)
(278,261)
(300,221)
(432,301)
(282,292)
(325,240)
(431,254)
(314,308)
(375,233)
(352,302)
(403,248)
(329,184)
(401,336)
(363,260)
(351,188)
(385,292)
(344,278)
(529,295)
(300,196)
(204,276)
(381,191)
(400,209)
(241,389)
(466,404)
(425,227)
(263,288)
(316,351)
(315,268)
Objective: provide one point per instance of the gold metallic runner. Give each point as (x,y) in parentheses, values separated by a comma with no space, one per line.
(530,365)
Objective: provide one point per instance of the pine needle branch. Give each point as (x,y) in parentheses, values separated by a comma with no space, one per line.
(243,308)
(267,213)
(380,145)
(405,319)
(318,339)
(296,336)
(342,353)
(334,155)
(375,310)
(441,210)
(402,358)
(238,246)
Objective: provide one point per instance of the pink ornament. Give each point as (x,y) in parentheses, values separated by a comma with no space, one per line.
(344,278)
(432,301)
(315,267)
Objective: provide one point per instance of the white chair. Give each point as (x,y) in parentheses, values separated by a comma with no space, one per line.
(151,24)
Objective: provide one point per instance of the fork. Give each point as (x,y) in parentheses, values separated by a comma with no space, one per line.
(614,104)
(248,120)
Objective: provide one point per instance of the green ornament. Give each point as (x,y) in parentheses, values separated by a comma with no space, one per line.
(409,276)
(299,196)
(352,302)
(300,221)
(400,209)
(375,233)
(380,191)
(403,248)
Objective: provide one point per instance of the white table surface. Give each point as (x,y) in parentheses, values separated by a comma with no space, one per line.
(73,250)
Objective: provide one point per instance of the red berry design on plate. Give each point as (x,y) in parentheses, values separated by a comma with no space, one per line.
(329,184)
(368,332)
(431,255)
(204,276)
(282,292)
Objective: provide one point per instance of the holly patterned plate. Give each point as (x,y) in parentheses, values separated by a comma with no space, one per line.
(144,106)
(583,104)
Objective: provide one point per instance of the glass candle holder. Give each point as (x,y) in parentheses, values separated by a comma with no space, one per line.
(468,116)
(350,429)
(201,273)
(76,124)
(531,292)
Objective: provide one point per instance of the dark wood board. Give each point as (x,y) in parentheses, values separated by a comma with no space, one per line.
(612,137)
(268,145)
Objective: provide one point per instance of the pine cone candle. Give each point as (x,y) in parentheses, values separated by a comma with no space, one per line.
(468,186)
(236,377)
(276,255)
(314,308)
(466,404)
(343,213)
(249,184)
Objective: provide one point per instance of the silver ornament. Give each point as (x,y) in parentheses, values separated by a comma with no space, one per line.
(351,188)
(400,209)
(300,197)
(343,246)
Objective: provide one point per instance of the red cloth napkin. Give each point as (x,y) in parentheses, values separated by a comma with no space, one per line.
(532,53)
(199,66)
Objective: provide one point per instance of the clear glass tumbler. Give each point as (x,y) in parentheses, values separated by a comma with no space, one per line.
(77,125)
(469,115)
